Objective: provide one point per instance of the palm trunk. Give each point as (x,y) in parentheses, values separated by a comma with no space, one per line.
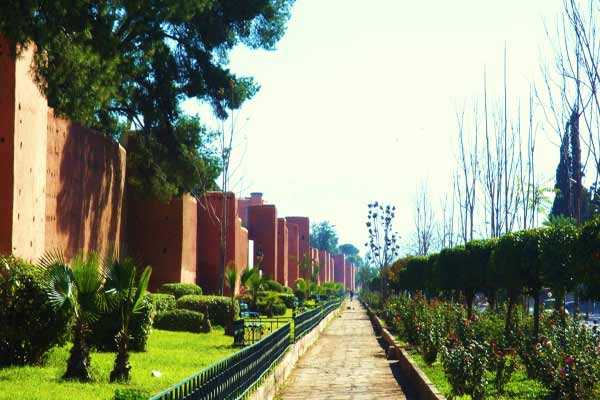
(120,372)
(78,365)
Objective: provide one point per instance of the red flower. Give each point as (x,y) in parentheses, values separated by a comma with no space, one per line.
(569,360)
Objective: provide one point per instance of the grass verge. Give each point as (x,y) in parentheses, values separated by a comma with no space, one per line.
(176,355)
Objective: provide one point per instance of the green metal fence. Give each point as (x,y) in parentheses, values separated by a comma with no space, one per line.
(233,377)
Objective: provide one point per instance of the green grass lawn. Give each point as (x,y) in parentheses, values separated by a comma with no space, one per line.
(176,355)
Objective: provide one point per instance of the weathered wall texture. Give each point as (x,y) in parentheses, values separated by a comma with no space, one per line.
(340,268)
(23,111)
(211,220)
(163,235)
(293,253)
(282,251)
(262,228)
(61,186)
(84,189)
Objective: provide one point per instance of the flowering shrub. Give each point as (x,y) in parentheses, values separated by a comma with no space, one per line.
(430,331)
(566,359)
(465,359)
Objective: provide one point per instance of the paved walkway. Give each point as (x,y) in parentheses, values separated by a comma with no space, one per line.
(346,362)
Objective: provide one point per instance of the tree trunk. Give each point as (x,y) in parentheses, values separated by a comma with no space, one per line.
(230,321)
(78,365)
(120,372)
(469,297)
(536,315)
(512,295)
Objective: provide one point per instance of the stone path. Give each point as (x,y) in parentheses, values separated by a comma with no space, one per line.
(346,362)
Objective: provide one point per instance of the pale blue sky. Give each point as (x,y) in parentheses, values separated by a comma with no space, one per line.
(358,102)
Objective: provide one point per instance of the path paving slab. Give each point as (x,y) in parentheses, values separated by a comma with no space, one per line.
(346,362)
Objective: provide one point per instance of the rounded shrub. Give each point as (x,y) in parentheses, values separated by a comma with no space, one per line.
(180,289)
(29,325)
(288,299)
(217,307)
(180,320)
(271,305)
(273,286)
(163,302)
(105,329)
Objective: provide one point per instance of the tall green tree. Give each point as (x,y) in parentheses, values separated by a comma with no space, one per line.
(323,236)
(352,254)
(128,64)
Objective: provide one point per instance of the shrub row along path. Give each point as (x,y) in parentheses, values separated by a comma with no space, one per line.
(346,362)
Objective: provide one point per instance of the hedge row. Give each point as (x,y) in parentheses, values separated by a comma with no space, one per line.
(561,257)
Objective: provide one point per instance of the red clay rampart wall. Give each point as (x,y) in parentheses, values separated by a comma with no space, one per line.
(340,269)
(303,224)
(61,186)
(210,222)
(282,251)
(163,235)
(293,253)
(262,229)
(84,189)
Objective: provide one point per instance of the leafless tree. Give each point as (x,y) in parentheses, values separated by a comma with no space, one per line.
(424,222)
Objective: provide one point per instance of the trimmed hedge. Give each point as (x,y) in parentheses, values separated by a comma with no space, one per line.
(218,307)
(180,289)
(163,302)
(180,320)
(29,325)
(105,329)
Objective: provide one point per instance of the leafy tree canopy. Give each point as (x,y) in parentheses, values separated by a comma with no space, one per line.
(122,64)
(323,236)
(352,254)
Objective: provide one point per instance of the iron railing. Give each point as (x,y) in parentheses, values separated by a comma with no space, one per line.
(232,377)
(305,322)
(257,328)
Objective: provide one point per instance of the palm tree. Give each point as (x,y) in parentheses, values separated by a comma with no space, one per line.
(126,293)
(77,289)
(254,282)
(302,290)
(231,278)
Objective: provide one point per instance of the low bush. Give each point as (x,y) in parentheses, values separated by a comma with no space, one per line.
(288,299)
(180,289)
(271,305)
(29,325)
(273,286)
(180,320)
(105,329)
(163,302)
(217,307)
